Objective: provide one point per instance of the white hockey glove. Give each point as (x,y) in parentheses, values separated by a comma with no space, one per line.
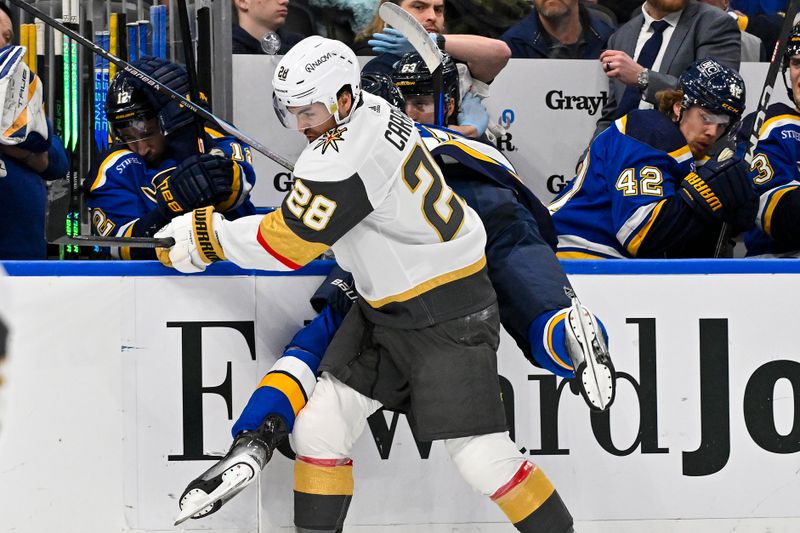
(23,118)
(196,241)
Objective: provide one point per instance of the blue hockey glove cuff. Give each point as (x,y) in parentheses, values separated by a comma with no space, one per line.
(548,343)
(547,336)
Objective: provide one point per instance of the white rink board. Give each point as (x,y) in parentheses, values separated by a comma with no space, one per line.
(96,407)
(554,105)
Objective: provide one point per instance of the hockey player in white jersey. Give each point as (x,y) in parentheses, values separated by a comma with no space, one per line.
(367,188)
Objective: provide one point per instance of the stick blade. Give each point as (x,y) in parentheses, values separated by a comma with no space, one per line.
(401,20)
(131,242)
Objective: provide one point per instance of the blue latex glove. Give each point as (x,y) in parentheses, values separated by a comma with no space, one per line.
(391,41)
(472,113)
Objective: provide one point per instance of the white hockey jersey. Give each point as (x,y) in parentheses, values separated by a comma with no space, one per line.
(371,190)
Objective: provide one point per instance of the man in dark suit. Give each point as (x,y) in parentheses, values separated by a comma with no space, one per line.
(559,29)
(649,52)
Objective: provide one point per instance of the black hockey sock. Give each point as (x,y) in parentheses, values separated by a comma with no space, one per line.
(323,489)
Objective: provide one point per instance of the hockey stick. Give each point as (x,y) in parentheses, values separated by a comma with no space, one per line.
(401,20)
(763,103)
(127,67)
(131,242)
(191,66)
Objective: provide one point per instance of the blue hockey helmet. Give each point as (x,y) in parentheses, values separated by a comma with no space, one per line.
(715,87)
(127,106)
(412,77)
(130,98)
(382,85)
(792,49)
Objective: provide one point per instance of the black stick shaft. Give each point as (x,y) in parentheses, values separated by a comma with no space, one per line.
(127,67)
(763,101)
(191,65)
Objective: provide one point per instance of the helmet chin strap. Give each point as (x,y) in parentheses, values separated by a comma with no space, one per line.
(346,119)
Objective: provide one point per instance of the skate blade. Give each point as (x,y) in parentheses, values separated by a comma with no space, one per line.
(233,480)
(597,378)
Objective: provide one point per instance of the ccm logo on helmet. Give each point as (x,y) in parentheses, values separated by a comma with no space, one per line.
(730,108)
(314,64)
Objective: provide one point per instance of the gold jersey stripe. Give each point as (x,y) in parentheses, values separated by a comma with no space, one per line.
(622,124)
(526,497)
(768,123)
(559,317)
(578,255)
(681,154)
(770,210)
(288,386)
(636,242)
(214,134)
(323,480)
(478,155)
(109,160)
(125,251)
(432,283)
(287,244)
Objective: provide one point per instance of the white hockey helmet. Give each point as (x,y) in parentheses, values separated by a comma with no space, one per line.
(312,72)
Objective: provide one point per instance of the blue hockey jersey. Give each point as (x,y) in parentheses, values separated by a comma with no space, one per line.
(120,189)
(629,174)
(775,173)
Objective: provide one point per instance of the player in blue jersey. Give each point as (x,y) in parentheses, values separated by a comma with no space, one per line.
(774,168)
(524,271)
(647,187)
(153,171)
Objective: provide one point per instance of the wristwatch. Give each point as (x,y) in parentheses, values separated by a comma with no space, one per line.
(440,41)
(643,80)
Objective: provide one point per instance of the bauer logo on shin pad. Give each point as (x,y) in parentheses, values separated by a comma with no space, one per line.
(594,372)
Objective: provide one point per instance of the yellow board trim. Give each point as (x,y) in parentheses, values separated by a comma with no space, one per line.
(636,242)
(323,480)
(578,255)
(285,242)
(289,387)
(432,283)
(773,203)
(526,497)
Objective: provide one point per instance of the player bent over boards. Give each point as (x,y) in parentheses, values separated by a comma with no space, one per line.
(427,319)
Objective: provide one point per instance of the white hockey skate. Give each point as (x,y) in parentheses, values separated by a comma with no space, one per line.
(595,377)
(249,453)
